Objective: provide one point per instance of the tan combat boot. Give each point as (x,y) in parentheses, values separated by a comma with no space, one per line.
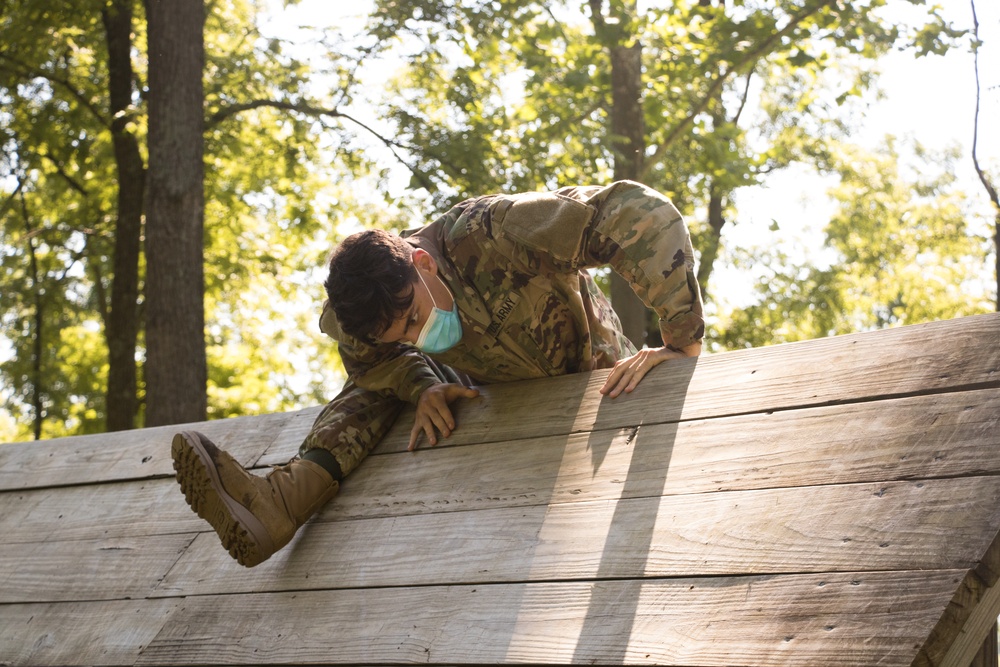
(254,516)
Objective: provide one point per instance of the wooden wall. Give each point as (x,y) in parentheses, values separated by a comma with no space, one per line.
(831,502)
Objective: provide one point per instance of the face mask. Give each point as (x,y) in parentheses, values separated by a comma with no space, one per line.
(442,330)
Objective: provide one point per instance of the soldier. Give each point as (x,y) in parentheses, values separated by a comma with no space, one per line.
(495,290)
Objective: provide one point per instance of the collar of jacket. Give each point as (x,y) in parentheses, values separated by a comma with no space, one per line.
(471,307)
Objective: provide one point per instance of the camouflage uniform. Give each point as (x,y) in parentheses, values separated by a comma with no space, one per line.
(515,265)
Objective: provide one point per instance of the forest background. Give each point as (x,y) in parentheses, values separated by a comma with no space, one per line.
(173,174)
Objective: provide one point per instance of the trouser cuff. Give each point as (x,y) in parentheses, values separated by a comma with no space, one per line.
(327,460)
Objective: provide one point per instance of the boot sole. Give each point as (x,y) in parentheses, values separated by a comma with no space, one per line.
(241,533)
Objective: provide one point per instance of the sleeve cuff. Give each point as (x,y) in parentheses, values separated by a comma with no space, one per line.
(416,388)
(683,329)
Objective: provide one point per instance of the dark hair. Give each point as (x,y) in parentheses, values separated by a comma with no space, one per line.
(371,282)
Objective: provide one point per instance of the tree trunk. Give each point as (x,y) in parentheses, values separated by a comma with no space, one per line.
(710,248)
(122,324)
(176,371)
(628,139)
(987,182)
(37,348)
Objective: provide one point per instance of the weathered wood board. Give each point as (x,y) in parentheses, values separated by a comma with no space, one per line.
(831,502)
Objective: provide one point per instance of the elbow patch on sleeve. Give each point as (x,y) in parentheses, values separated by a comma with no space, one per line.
(544,221)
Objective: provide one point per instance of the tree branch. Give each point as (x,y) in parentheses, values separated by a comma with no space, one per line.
(9,203)
(232,110)
(557,23)
(319,112)
(66,177)
(597,17)
(743,98)
(752,56)
(24,69)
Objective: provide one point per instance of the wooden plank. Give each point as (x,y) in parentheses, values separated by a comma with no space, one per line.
(988,652)
(891,362)
(927,436)
(961,631)
(848,619)
(80,633)
(930,436)
(923,525)
(124,509)
(926,358)
(138,454)
(86,569)
(973,637)
(692,527)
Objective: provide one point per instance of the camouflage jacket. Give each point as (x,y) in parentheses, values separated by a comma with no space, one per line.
(516,265)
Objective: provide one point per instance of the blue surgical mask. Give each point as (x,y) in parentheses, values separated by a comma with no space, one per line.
(442,330)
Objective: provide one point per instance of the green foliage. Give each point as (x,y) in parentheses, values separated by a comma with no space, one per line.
(506,95)
(56,188)
(487,89)
(903,252)
(269,215)
(490,95)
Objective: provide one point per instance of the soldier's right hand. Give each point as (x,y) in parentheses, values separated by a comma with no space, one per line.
(434,411)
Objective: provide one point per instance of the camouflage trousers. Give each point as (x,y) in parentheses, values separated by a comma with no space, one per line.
(352,424)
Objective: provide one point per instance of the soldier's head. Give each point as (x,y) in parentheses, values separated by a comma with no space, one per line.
(383,289)
(371,282)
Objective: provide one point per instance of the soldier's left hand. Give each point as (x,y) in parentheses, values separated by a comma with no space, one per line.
(627,373)
(434,412)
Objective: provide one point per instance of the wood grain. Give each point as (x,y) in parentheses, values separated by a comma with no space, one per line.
(832,502)
(110,569)
(80,633)
(106,511)
(848,619)
(919,359)
(139,454)
(894,362)
(926,525)
(928,436)
(959,634)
